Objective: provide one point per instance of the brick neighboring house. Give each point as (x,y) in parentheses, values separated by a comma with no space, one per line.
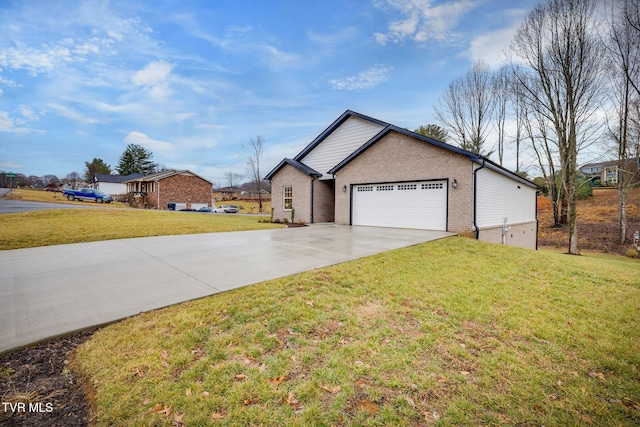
(182,189)
(363,171)
(227,193)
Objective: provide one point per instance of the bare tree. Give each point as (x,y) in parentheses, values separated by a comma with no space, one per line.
(466,107)
(73,179)
(561,53)
(500,84)
(253,155)
(624,72)
(233,179)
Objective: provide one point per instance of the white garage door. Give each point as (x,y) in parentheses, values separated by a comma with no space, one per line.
(421,204)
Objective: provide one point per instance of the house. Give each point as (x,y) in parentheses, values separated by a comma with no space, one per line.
(607,172)
(226,193)
(363,171)
(176,189)
(112,184)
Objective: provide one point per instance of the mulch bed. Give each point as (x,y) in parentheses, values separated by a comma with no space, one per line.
(39,376)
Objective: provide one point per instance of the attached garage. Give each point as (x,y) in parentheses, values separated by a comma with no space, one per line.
(417,204)
(388,176)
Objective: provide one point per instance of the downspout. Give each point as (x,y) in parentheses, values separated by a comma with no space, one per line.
(158,189)
(312,191)
(475,198)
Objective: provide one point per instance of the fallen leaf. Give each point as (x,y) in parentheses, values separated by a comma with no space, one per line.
(246,402)
(368,406)
(276,381)
(465,373)
(332,390)
(597,375)
(293,358)
(187,392)
(241,377)
(205,394)
(166,411)
(177,419)
(631,404)
(309,303)
(200,324)
(217,416)
(164,354)
(586,419)
(146,401)
(358,363)
(442,378)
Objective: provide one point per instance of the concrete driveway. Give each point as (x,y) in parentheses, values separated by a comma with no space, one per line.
(54,290)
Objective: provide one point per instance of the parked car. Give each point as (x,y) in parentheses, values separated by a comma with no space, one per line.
(87,194)
(229,209)
(205,210)
(224,209)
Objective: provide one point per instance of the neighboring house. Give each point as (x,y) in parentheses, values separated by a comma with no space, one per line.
(363,171)
(227,193)
(181,189)
(607,172)
(112,184)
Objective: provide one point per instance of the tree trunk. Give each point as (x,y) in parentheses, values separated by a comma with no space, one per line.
(622,210)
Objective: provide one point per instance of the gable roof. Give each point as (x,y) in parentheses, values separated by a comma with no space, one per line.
(105,177)
(165,174)
(332,127)
(387,128)
(296,164)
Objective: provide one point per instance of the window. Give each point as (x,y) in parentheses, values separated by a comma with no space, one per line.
(384,188)
(287,197)
(367,188)
(432,186)
(407,187)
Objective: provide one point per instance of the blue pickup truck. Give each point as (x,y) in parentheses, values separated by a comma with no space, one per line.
(88,194)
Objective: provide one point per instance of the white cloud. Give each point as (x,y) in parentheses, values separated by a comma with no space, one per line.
(155,78)
(422,20)
(140,138)
(154,73)
(7,124)
(366,79)
(10,165)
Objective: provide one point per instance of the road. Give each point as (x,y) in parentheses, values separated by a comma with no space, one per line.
(17,206)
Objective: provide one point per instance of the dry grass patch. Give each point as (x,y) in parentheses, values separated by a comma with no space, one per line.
(453,332)
(55,227)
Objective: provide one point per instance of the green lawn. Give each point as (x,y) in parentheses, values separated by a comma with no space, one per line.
(60,226)
(452,332)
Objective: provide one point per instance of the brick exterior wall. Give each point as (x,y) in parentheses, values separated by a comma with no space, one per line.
(398,157)
(179,188)
(301,183)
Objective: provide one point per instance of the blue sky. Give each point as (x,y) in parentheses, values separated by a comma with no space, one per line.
(193,81)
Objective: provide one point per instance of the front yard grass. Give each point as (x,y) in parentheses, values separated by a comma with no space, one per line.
(60,226)
(451,332)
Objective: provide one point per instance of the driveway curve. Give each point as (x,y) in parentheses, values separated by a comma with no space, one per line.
(49,291)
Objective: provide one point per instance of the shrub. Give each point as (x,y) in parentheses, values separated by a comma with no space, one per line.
(631,253)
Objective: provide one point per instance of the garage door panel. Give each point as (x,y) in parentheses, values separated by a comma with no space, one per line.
(420,204)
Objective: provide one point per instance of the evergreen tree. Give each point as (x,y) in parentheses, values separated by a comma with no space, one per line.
(136,159)
(433,131)
(94,167)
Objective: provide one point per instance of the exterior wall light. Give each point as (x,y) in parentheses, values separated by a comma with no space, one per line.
(344,188)
(454,184)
